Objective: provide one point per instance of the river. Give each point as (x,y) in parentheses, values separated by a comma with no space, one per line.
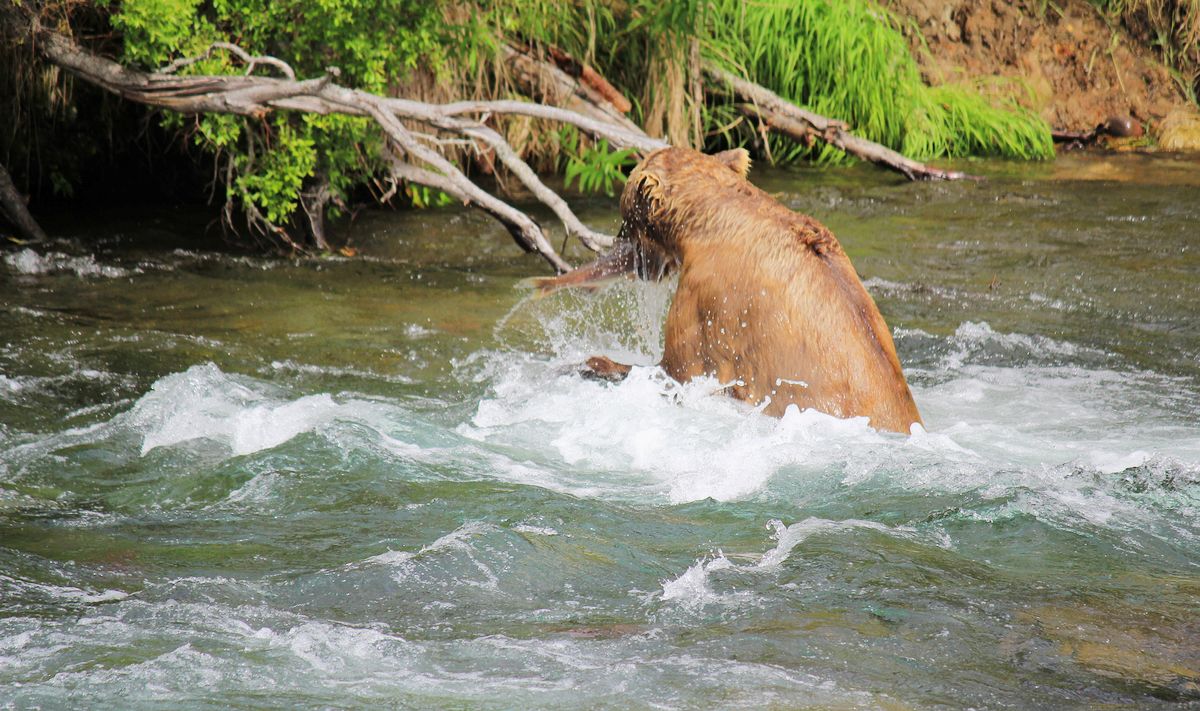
(235,481)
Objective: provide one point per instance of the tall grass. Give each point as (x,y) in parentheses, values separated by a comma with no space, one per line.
(848,60)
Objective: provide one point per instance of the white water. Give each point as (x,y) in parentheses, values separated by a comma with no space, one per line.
(989,426)
(27,261)
(446,595)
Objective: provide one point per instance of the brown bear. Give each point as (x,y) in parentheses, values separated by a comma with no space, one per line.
(768,302)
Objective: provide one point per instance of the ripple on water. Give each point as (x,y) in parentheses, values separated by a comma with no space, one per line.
(1016,437)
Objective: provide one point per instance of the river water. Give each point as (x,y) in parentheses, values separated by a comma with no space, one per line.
(231,481)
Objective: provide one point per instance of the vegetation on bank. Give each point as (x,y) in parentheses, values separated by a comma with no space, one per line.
(845,59)
(848,59)
(1172,27)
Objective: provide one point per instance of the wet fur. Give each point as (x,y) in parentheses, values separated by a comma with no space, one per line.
(767,302)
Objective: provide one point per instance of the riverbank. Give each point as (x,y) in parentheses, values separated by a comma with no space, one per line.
(1066,61)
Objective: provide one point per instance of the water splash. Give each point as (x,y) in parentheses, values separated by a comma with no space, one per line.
(27,261)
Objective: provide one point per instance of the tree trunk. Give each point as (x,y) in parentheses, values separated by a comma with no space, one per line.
(12,204)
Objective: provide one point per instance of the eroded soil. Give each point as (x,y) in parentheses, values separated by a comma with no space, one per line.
(1061,59)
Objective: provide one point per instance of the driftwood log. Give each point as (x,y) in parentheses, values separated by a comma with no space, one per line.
(804,126)
(545,82)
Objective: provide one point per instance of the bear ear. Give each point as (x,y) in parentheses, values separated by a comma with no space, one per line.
(650,185)
(736,159)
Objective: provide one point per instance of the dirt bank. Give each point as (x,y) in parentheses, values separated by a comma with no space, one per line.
(1061,59)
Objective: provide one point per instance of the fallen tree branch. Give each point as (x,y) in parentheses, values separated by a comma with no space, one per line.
(804,126)
(518,223)
(547,83)
(593,240)
(617,136)
(522,227)
(250,61)
(591,78)
(313,201)
(12,205)
(257,96)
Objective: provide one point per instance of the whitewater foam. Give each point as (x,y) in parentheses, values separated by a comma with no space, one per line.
(60,593)
(693,588)
(27,261)
(11,385)
(205,403)
(993,428)
(1005,412)
(684,441)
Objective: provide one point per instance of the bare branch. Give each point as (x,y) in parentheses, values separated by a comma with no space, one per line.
(617,136)
(593,240)
(313,202)
(521,226)
(803,125)
(256,96)
(516,222)
(249,60)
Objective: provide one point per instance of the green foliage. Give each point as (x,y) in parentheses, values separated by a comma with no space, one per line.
(280,172)
(155,31)
(847,59)
(423,196)
(844,58)
(596,167)
(375,44)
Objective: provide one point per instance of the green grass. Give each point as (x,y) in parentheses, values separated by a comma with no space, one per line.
(847,59)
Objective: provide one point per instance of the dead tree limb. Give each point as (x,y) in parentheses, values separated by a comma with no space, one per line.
(591,78)
(522,227)
(250,61)
(313,201)
(12,205)
(547,83)
(258,95)
(805,126)
(518,223)
(617,136)
(593,240)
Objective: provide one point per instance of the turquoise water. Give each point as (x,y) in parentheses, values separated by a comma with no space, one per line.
(231,481)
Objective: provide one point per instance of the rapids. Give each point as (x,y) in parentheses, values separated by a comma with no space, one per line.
(232,481)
